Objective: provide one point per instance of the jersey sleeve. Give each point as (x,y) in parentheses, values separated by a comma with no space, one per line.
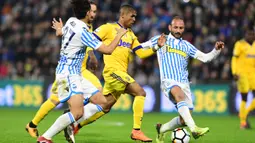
(191,50)
(150,43)
(101,32)
(135,44)
(89,40)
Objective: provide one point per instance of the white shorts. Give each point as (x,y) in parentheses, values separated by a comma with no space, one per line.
(168,84)
(69,85)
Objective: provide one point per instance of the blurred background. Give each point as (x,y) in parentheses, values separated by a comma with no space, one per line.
(29,49)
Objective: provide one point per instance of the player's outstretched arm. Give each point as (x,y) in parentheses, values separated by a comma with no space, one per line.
(92,63)
(110,48)
(57,26)
(207,57)
(149,47)
(236,52)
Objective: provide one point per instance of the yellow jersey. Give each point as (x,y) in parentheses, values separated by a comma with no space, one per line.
(120,57)
(243,60)
(84,62)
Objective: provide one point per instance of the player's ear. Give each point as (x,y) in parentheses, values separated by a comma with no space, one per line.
(169,27)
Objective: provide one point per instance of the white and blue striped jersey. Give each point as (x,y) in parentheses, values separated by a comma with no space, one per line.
(173,58)
(76,37)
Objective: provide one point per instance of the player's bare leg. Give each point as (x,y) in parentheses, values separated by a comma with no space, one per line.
(76,112)
(97,99)
(185,113)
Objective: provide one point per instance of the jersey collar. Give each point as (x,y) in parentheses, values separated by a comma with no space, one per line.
(172,37)
(120,25)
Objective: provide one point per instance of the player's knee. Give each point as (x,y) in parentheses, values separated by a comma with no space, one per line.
(107,106)
(106,110)
(77,114)
(244,96)
(142,93)
(54,99)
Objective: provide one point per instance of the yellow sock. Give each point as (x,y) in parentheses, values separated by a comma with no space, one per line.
(92,118)
(242,112)
(251,107)
(138,106)
(45,108)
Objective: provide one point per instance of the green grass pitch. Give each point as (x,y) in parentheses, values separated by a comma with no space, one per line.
(116,128)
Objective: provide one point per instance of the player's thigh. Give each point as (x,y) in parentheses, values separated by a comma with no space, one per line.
(173,90)
(54,93)
(116,82)
(68,86)
(243,84)
(176,92)
(98,98)
(135,89)
(54,87)
(92,78)
(75,103)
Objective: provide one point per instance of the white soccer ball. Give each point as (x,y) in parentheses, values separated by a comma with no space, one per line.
(180,135)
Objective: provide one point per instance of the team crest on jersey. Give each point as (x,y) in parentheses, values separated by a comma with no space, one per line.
(74,86)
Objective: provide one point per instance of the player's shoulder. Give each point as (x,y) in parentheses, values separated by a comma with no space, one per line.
(104,27)
(241,41)
(77,24)
(187,43)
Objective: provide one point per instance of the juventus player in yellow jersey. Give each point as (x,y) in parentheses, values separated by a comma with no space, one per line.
(53,101)
(243,69)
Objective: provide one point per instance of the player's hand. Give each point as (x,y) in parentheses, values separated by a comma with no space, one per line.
(121,31)
(162,40)
(219,45)
(92,63)
(236,77)
(57,26)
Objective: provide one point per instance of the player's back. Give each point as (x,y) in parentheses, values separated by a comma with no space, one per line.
(246,56)
(72,48)
(119,59)
(173,59)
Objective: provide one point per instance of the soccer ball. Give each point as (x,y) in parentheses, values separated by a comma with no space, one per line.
(180,135)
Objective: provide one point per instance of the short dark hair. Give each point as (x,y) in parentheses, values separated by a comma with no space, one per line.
(92,2)
(80,8)
(177,17)
(125,8)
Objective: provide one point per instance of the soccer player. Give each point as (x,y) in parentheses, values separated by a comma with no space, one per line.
(173,61)
(243,69)
(53,101)
(117,80)
(71,86)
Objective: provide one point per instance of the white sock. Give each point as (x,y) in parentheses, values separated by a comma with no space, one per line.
(171,125)
(61,122)
(185,114)
(89,110)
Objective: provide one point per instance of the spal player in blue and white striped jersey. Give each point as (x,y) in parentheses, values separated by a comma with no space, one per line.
(173,61)
(71,86)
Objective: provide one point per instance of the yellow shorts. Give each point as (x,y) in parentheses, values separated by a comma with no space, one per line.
(246,83)
(116,82)
(87,75)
